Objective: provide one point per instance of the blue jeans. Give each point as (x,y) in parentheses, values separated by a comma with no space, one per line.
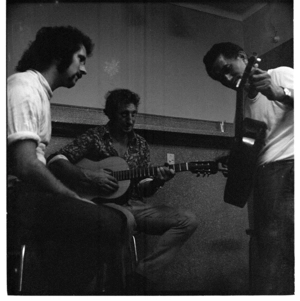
(174,226)
(272,255)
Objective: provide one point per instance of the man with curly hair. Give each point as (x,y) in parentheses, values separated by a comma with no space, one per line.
(42,204)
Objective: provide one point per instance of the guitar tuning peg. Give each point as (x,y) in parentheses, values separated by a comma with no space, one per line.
(257,58)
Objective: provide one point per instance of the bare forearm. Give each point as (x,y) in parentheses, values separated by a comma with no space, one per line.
(68,173)
(29,169)
(37,174)
(83,178)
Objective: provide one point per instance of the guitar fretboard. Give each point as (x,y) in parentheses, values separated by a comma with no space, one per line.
(146,171)
(239,111)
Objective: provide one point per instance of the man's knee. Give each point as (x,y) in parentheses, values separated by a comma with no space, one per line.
(114,224)
(129,218)
(190,221)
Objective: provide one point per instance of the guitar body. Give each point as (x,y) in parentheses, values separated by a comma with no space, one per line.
(249,139)
(112,164)
(120,171)
(242,163)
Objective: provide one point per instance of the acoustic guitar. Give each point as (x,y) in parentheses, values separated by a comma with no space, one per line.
(119,169)
(249,140)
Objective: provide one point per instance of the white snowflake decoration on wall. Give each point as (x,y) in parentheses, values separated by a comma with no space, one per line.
(112,68)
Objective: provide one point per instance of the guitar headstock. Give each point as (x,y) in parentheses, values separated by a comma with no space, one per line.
(252,61)
(204,168)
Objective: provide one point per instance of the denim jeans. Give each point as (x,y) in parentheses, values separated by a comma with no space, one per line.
(272,255)
(174,226)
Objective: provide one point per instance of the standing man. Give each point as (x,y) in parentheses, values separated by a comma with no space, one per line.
(117,138)
(43,206)
(270,99)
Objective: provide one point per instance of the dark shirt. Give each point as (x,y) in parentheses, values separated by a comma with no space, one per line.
(96,144)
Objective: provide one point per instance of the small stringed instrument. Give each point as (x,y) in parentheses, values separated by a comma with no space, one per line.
(249,140)
(120,170)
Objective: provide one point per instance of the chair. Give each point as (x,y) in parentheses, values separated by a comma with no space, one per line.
(135,249)
(133,254)
(22,254)
(15,251)
(15,270)
(24,267)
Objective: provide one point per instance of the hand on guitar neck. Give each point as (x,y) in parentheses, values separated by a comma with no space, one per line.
(222,161)
(246,83)
(258,80)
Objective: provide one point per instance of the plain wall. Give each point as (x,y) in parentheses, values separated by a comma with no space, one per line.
(155,49)
(276,18)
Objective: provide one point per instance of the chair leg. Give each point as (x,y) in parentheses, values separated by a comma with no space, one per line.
(135,249)
(21,268)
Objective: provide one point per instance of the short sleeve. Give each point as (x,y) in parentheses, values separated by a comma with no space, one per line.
(22,112)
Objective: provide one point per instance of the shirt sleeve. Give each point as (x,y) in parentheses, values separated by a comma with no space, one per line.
(22,112)
(284,77)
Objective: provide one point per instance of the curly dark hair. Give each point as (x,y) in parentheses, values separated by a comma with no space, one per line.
(54,43)
(117,98)
(228,49)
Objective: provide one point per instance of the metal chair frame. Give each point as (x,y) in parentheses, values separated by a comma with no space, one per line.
(21,268)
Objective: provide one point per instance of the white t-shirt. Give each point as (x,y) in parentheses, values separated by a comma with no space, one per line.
(28,110)
(279,118)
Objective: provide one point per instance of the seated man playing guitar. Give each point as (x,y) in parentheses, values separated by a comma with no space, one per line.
(268,98)
(111,142)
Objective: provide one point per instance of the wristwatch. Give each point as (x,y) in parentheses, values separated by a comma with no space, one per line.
(287,92)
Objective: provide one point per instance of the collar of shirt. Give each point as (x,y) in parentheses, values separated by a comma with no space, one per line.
(43,82)
(131,136)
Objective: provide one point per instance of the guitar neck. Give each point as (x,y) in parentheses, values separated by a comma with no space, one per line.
(239,114)
(239,111)
(140,173)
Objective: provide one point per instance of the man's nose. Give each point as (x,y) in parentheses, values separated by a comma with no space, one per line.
(130,118)
(83,69)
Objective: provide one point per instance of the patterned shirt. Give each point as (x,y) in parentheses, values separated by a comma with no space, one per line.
(96,144)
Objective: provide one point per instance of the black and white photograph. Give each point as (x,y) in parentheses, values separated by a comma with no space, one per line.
(149,148)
